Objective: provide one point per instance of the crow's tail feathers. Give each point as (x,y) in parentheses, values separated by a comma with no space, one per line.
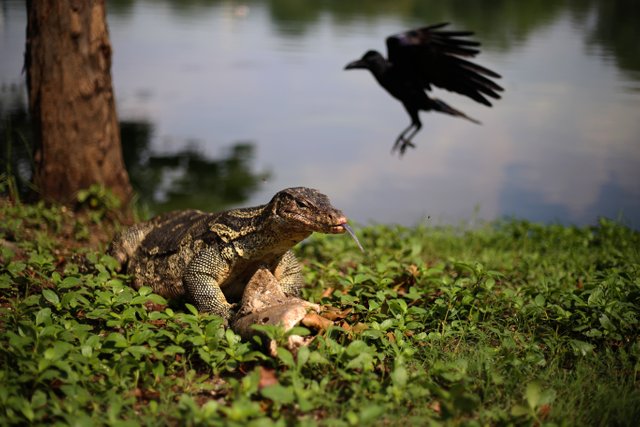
(446,108)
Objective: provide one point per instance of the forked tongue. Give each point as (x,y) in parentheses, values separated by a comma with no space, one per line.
(352,234)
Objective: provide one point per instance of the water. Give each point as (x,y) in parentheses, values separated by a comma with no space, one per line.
(229,102)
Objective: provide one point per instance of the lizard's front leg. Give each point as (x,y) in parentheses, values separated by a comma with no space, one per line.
(289,275)
(201,280)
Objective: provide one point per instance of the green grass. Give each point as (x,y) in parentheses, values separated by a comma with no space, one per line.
(512,323)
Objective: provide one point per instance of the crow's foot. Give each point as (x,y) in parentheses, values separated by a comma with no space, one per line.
(401,144)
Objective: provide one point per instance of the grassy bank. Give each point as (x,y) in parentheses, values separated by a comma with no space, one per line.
(510,323)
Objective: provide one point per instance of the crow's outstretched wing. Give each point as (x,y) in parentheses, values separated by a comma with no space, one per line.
(429,56)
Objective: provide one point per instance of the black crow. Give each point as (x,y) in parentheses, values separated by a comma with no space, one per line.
(429,56)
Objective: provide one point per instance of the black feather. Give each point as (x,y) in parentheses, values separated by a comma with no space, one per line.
(420,58)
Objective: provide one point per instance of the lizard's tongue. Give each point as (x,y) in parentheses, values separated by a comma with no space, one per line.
(342,226)
(353,235)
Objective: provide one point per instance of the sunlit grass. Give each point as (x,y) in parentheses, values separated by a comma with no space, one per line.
(508,323)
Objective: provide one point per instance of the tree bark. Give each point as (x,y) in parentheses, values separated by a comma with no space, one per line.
(68,66)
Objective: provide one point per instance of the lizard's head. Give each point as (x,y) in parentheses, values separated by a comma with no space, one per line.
(306,210)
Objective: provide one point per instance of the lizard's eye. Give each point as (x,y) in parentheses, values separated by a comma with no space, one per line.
(300,204)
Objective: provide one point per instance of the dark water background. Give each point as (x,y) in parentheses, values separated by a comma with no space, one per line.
(226,102)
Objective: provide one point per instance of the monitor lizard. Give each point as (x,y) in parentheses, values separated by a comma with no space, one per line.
(210,257)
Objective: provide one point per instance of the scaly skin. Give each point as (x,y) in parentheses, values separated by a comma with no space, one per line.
(210,257)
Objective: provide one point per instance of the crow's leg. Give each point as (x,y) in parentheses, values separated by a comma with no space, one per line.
(407,140)
(402,141)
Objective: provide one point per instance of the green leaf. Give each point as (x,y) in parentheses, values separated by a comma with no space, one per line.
(87,351)
(519,411)
(6,253)
(285,356)
(606,323)
(43,316)
(362,361)
(303,356)
(26,410)
(298,330)
(209,409)
(231,337)
(70,282)
(316,358)
(352,417)
(51,296)
(357,347)
(581,347)
(158,370)
(279,394)
(58,351)
(43,364)
(118,340)
(398,306)
(38,399)
(593,333)
(360,278)
(40,260)
(6,281)
(192,309)
(489,283)
(173,349)
(399,376)
(145,290)
(156,299)
(16,267)
(596,298)
(370,414)
(110,262)
(533,395)
(137,351)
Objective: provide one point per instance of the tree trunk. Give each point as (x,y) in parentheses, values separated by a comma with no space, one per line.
(68,66)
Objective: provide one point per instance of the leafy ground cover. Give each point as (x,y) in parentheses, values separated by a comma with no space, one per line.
(508,323)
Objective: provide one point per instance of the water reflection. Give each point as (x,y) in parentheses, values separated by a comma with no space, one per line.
(16,137)
(504,24)
(561,145)
(163,182)
(187,178)
(616,30)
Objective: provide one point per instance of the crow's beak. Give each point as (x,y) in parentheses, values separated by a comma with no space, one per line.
(355,64)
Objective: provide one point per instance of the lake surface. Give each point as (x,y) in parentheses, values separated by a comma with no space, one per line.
(227,100)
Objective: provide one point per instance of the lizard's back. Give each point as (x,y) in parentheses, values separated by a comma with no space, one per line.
(156,252)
